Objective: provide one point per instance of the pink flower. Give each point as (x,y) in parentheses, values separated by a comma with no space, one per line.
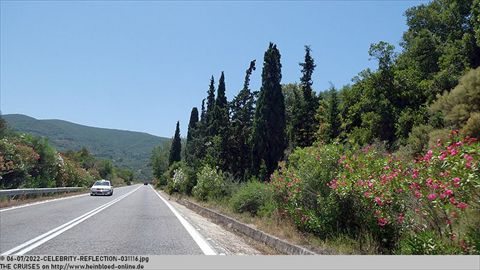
(448,192)
(462,205)
(453,201)
(418,194)
(442,156)
(382,222)
(468,157)
(378,201)
(432,196)
(333,184)
(453,152)
(429,182)
(456,182)
(400,218)
(366,194)
(428,156)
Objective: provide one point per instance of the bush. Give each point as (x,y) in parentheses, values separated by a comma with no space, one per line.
(430,193)
(425,243)
(211,184)
(301,192)
(472,127)
(251,197)
(458,105)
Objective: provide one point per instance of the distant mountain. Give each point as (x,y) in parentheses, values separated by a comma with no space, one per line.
(126,149)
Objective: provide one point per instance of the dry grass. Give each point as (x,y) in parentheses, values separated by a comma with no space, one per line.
(286,229)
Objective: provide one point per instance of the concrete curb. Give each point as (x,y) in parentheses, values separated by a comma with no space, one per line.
(269,240)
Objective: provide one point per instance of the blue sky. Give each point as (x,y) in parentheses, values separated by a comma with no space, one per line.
(142,65)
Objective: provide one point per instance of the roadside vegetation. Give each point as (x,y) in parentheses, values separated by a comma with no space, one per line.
(27,161)
(388,164)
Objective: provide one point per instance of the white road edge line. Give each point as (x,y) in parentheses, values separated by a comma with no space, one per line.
(37,241)
(46,201)
(201,242)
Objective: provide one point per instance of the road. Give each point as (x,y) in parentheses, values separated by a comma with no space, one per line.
(135,220)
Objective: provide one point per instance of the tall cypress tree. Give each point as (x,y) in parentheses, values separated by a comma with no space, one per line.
(220,124)
(268,138)
(210,109)
(176,148)
(220,115)
(242,110)
(202,114)
(303,116)
(191,136)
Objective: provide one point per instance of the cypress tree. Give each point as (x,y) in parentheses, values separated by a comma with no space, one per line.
(202,114)
(310,102)
(303,115)
(242,110)
(220,115)
(210,109)
(268,137)
(191,136)
(220,124)
(192,124)
(176,148)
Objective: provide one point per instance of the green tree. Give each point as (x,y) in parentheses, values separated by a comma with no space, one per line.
(209,113)
(3,126)
(242,111)
(176,148)
(221,122)
(461,104)
(304,124)
(328,115)
(192,135)
(475,20)
(105,169)
(159,162)
(293,101)
(447,29)
(381,95)
(268,137)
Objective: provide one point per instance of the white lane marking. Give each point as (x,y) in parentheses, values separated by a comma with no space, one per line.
(204,246)
(37,241)
(47,201)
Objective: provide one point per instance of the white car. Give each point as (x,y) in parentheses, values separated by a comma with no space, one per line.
(101,187)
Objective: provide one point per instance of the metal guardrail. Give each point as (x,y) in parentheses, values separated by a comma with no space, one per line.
(27,191)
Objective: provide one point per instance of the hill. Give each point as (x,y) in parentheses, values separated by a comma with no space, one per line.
(126,149)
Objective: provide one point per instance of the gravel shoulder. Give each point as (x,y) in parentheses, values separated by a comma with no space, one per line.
(222,240)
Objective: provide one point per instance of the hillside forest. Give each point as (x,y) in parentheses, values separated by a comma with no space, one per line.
(28,161)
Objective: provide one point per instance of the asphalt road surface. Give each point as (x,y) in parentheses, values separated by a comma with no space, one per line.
(135,220)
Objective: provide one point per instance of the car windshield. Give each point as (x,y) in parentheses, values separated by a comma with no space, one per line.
(102,183)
